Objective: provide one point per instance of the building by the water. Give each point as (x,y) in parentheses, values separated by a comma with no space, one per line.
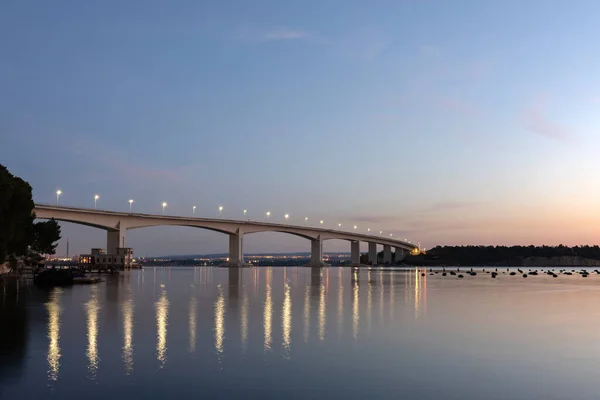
(98,259)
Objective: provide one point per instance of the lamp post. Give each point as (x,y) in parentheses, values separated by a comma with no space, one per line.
(130,204)
(355,228)
(164,204)
(321,222)
(245,211)
(268,214)
(220,211)
(380,232)
(339,226)
(193,211)
(305,220)
(96,197)
(368,230)
(286,216)
(58,193)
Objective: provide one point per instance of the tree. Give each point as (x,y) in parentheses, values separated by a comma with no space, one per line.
(45,237)
(19,236)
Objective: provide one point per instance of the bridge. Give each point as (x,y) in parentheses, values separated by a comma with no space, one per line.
(116,225)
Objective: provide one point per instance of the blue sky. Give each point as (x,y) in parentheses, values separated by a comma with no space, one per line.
(443,122)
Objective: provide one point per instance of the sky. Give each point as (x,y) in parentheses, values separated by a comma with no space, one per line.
(444,122)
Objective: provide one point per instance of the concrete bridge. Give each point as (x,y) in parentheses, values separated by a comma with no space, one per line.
(116,225)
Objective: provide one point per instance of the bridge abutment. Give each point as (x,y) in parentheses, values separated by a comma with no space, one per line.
(372,253)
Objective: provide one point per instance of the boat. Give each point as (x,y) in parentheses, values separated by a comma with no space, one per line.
(54,277)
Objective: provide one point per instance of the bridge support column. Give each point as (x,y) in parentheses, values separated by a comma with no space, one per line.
(355,253)
(316,253)
(399,254)
(115,238)
(372,253)
(387,254)
(236,250)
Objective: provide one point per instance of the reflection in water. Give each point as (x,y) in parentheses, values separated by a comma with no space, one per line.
(192,323)
(268,312)
(286,319)
(92,307)
(340,302)
(244,321)
(369,301)
(162,320)
(219,322)
(416,293)
(355,308)
(306,313)
(53,308)
(381,296)
(128,336)
(322,312)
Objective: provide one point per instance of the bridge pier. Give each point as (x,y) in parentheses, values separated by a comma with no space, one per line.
(115,238)
(372,253)
(399,254)
(316,253)
(236,250)
(387,254)
(355,253)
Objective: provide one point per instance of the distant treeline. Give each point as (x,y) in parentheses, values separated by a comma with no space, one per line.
(497,255)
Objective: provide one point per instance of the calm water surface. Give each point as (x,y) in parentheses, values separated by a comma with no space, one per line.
(302,333)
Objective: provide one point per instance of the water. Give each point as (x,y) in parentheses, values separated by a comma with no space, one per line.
(302,333)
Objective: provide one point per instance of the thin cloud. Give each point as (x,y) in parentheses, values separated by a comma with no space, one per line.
(283,34)
(536,120)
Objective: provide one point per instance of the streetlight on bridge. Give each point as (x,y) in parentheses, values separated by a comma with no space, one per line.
(380,232)
(193,211)
(245,211)
(305,220)
(130,204)
(368,230)
(164,204)
(339,226)
(321,222)
(286,216)
(268,214)
(58,193)
(220,211)
(96,197)
(355,228)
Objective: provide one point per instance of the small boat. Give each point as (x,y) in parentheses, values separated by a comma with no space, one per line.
(54,277)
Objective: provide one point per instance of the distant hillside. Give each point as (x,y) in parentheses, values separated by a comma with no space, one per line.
(508,256)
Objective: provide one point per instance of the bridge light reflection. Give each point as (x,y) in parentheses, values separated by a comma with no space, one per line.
(162,320)
(244,321)
(127,308)
(268,312)
(355,306)
(219,322)
(340,315)
(92,308)
(322,312)
(286,320)
(192,324)
(53,356)
(369,301)
(306,313)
